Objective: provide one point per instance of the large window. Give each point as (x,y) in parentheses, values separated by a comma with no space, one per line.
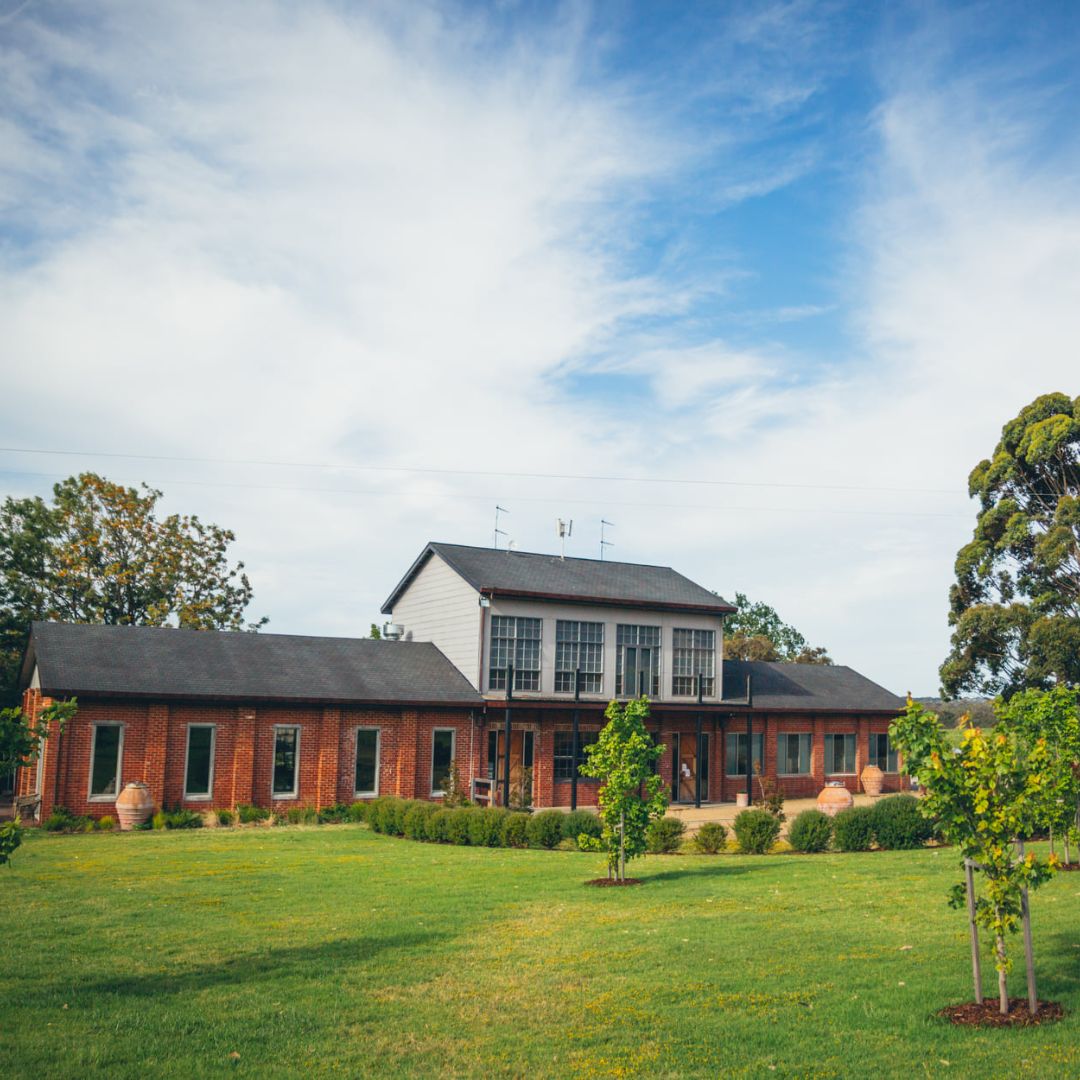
(199,770)
(793,754)
(637,660)
(579,645)
(694,655)
(367,761)
(515,641)
(286,756)
(442,755)
(883,753)
(564,764)
(105,757)
(840,754)
(735,765)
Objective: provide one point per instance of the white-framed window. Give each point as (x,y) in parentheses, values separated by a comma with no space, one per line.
(840,755)
(106,760)
(515,640)
(579,645)
(286,778)
(443,744)
(883,753)
(735,765)
(637,660)
(368,740)
(793,753)
(199,762)
(693,655)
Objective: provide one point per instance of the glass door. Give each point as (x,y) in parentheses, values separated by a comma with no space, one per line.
(688,759)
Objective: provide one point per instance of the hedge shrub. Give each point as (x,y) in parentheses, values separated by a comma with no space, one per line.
(335,814)
(486,826)
(415,820)
(225,817)
(756,831)
(435,826)
(302,815)
(545,828)
(899,825)
(853,829)
(515,830)
(711,838)
(358,811)
(665,835)
(811,831)
(63,820)
(457,825)
(249,814)
(578,822)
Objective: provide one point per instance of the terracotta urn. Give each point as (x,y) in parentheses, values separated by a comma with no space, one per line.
(134,805)
(872,779)
(833,799)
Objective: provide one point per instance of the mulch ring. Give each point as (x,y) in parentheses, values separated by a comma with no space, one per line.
(971,1014)
(1067,866)
(604,882)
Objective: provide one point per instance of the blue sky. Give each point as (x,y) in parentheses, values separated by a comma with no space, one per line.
(760,283)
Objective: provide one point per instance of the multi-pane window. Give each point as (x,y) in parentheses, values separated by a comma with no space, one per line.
(793,754)
(735,765)
(442,756)
(694,656)
(882,752)
(840,754)
(286,755)
(105,761)
(579,646)
(515,640)
(564,764)
(199,773)
(367,761)
(637,660)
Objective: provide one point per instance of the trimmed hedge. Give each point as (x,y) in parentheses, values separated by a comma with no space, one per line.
(711,838)
(545,828)
(756,831)
(811,831)
(664,835)
(853,829)
(486,826)
(579,822)
(515,830)
(899,824)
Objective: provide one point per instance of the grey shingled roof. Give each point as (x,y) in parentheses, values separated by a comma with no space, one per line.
(814,687)
(169,664)
(525,573)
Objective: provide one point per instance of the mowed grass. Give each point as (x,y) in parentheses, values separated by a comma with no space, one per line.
(299,952)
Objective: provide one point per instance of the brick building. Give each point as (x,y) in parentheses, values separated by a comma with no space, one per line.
(489,650)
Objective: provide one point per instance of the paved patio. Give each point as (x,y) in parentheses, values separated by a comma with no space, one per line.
(725,812)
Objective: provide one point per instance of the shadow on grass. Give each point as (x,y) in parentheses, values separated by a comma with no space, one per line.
(699,871)
(312,962)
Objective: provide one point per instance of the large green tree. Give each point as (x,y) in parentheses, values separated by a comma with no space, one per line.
(756,632)
(1015,607)
(99,553)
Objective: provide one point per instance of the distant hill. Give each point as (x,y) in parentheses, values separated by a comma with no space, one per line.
(981,710)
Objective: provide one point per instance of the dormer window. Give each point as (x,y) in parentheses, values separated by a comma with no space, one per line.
(515,641)
(637,660)
(694,654)
(579,645)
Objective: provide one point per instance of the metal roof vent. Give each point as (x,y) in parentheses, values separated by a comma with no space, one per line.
(393,631)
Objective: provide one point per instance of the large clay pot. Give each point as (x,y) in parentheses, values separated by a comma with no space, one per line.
(134,805)
(832,800)
(872,779)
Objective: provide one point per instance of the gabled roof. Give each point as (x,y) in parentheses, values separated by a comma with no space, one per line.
(813,687)
(548,577)
(168,664)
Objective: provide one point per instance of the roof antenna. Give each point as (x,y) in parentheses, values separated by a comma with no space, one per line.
(605,543)
(563,529)
(498,532)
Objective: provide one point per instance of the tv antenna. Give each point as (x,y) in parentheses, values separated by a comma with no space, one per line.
(498,532)
(605,543)
(563,529)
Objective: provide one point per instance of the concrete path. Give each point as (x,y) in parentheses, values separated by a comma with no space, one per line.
(725,812)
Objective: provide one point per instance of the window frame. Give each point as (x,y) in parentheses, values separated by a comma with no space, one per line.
(757,739)
(496,676)
(696,653)
(891,752)
(585,738)
(657,682)
(90,796)
(439,792)
(854,757)
(295,793)
(209,796)
(577,644)
(809,736)
(374,793)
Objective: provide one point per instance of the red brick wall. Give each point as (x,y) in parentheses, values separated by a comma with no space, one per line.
(155,746)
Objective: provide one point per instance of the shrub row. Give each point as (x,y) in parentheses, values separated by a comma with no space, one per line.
(895,823)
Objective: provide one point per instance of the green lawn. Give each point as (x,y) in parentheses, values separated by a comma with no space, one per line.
(333,950)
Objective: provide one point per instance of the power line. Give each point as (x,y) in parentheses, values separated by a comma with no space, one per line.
(346,466)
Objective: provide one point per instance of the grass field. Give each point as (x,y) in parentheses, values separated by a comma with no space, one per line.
(333,950)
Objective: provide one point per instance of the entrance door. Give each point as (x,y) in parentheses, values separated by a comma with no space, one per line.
(521,765)
(687,759)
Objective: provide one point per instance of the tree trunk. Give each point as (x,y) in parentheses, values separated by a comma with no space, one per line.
(1003,989)
(622,846)
(1052,840)
(1065,843)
